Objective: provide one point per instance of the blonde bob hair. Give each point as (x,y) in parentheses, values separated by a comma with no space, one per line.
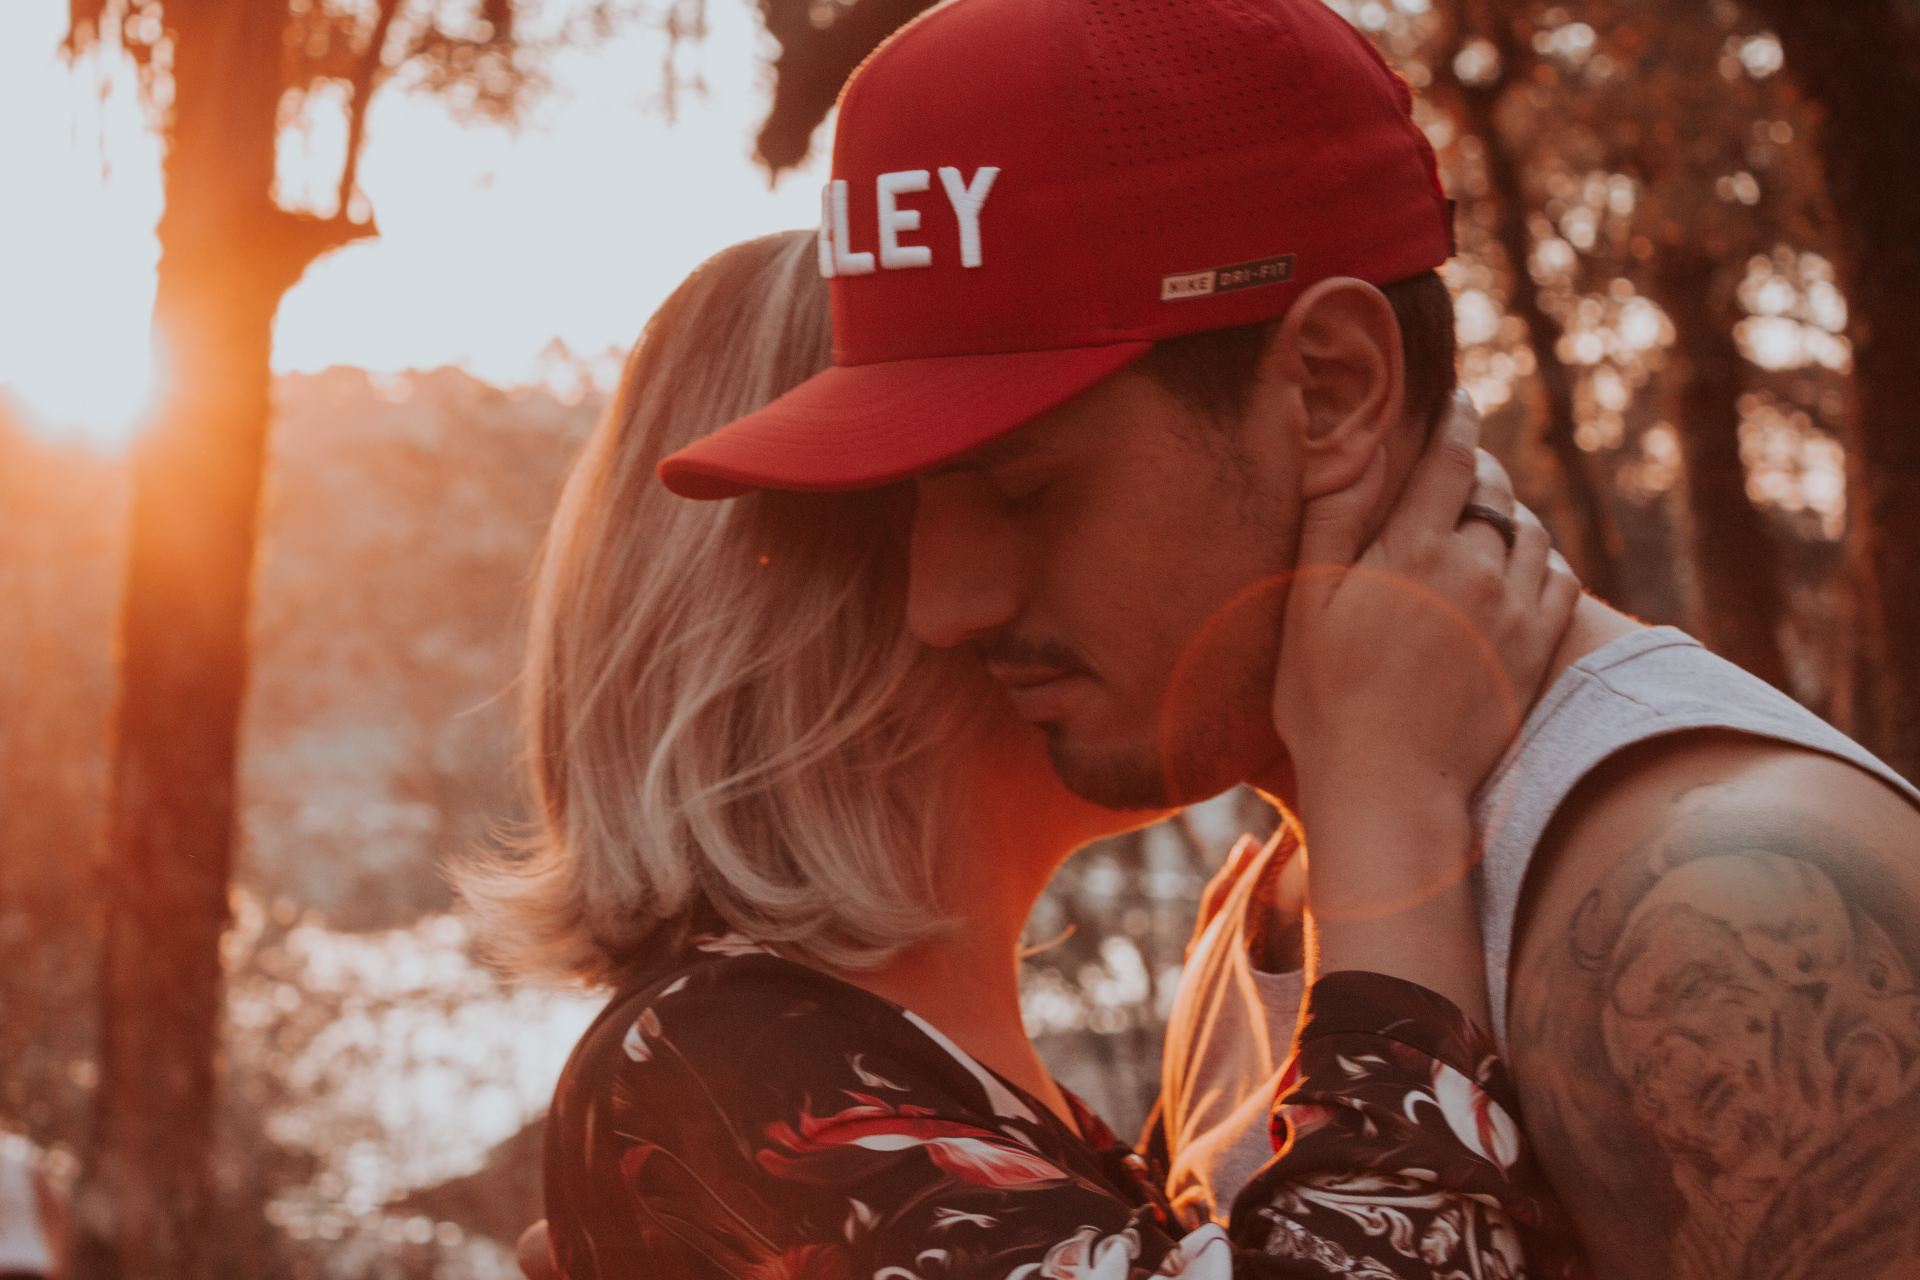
(727,725)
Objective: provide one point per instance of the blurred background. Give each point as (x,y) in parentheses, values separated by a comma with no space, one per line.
(305,305)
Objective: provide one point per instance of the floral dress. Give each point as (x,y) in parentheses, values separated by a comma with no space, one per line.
(744,1117)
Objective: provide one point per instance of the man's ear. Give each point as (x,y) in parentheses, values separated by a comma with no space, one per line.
(1339,346)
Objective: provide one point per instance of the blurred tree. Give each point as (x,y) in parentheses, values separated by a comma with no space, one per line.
(1705,200)
(1736,557)
(1859,63)
(1486,61)
(821,42)
(220,80)
(1631,203)
(60,542)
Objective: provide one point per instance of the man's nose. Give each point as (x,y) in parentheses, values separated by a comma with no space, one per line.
(962,572)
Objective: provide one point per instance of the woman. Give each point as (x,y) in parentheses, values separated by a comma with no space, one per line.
(801,848)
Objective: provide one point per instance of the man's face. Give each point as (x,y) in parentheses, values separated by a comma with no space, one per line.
(1119,564)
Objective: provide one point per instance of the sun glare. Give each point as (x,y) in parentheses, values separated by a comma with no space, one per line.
(77,255)
(498,250)
(100,398)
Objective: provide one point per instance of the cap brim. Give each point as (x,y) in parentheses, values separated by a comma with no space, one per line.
(858,426)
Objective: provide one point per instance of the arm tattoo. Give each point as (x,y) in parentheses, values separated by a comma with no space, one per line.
(1732,1035)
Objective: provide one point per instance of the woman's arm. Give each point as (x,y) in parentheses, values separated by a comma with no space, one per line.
(1396,1135)
(1408,661)
(1388,893)
(767,1127)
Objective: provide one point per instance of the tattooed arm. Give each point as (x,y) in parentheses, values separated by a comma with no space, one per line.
(1715,1021)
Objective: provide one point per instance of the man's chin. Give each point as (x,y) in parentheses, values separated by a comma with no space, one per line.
(1124,778)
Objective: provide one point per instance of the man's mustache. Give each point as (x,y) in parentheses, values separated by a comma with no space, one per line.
(1025,651)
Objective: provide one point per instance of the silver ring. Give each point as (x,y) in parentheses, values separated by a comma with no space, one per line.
(1502,522)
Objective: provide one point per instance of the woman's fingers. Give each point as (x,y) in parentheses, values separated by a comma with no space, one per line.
(1492,491)
(1527,565)
(1452,472)
(1442,479)
(1534,626)
(1333,527)
(1561,594)
(1488,541)
(1541,593)
(1492,486)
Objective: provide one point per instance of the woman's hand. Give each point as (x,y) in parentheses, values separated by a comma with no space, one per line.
(1414,658)
(1407,665)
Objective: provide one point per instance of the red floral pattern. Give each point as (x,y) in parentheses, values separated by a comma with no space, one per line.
(873,1126)
(745,1116)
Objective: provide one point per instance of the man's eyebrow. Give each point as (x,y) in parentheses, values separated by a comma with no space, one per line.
(995,453)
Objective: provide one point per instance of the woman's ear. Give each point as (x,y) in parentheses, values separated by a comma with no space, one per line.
(1339,345)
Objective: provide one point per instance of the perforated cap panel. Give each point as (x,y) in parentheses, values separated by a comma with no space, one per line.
(1166,94)
(1222,99)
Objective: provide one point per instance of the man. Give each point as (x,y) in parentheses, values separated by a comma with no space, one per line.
(1120,286)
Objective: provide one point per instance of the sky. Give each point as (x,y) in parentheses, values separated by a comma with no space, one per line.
(492,246)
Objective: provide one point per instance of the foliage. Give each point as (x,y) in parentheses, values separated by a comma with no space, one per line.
(485,59)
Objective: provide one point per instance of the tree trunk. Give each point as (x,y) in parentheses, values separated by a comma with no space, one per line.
(228,254)
(1736,559)
(1596,546)
(1860,63)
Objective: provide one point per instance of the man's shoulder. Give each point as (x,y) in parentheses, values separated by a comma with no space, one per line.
(1715,1001)
(1732,801)
(1719,785)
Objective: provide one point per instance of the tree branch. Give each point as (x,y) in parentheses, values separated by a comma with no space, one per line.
(1596,549)
(366,78)
(301,239)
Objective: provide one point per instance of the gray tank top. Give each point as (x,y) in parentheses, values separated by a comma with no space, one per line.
(1646,684)
(1231,1024)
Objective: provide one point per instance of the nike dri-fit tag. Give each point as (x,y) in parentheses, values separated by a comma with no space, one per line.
(1241,275)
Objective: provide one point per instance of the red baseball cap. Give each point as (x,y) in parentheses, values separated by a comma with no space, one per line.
(1027,194)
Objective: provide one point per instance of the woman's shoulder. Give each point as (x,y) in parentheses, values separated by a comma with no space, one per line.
(720,987)
(746,1064)
(729,1015)
(736,1107)
(733,1022)
(721,1099)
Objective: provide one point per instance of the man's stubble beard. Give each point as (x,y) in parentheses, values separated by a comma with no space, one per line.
(1125,781)
(1118,780)
(1222,739)
(1183,758)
